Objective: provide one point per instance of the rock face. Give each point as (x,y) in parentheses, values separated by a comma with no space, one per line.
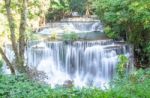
(68,84)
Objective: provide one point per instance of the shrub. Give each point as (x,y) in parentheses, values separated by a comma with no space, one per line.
(110,33)
(21,87)
(53,36)
(70,36)
(58,10)
(121,67)
(136,85)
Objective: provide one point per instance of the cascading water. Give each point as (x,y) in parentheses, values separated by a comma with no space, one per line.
(86,63)
(78,25)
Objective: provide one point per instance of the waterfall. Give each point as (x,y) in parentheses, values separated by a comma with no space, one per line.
(82,25)
(86,63)
(89,62)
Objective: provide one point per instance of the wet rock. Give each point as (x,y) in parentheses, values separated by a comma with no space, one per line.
(68,84)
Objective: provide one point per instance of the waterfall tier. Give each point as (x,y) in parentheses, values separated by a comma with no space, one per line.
(85,28)
(77,25)
(86,63)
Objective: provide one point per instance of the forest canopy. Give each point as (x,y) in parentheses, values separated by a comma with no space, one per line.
(130,20)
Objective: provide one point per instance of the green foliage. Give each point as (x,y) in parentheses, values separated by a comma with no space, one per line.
(30,36)
(63,8)
(110,33)
(1,62)
(70,36)
(21,87)
(54,15)
(53,36)
(136,85)
(147,48)
(34,12)
(128,19)
(121,67)
(59,4)
(58,9)
(78,6)
(81,6)
(77,93)
(146,53)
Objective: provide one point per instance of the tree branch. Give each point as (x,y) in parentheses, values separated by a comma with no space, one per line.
(7,61)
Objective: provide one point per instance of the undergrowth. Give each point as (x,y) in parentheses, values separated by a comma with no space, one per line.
(136,85)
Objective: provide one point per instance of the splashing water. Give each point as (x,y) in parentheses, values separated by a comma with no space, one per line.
(86,63)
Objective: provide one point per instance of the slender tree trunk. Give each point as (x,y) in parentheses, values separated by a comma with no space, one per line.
(7,61)
(12,27)
(22,31)
(19,51)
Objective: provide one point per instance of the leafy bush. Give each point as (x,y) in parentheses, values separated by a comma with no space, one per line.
(78,6)
(63,8)
(21,87)
(128,19)
(57,10)
(117,15)
(70,36)
(53,36)
(121,67)
(110,33)
(146,53)
(136,85)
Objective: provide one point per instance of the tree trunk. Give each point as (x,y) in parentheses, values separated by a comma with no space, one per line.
(19,51)
(7,61)
(22,31)
(12,28)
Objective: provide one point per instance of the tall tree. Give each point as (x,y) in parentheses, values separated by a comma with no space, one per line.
(18,47)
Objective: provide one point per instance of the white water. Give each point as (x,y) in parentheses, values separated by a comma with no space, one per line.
(78,25)
(86,63)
